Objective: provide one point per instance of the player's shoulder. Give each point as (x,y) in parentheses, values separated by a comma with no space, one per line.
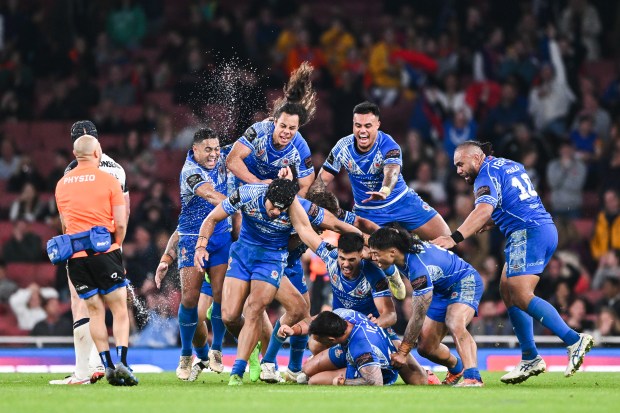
(299,142)
(385,138)
(108,162)
(258,130)
(345,142)
(70,167)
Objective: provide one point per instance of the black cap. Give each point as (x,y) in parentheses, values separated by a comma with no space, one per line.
(281,193)
(83,127)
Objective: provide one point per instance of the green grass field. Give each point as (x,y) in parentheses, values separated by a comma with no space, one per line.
(550,392)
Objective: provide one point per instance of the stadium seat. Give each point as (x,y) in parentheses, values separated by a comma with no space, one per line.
(45,274)
(44,231)
(22,273)
(585,227)
(52,135)
(8,326)
(6,227)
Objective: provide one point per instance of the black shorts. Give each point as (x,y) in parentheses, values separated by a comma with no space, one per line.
(97,274)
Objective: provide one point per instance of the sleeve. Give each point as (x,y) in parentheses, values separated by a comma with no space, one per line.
(378,281)
(420,279)
(116,197)
(249,136)
(332,163)
(70,167)
(327,252)
(361,353)
(194,178)
(392,155)
(305,167)
(485,190)
(316,214)
(346,216)
(240,197)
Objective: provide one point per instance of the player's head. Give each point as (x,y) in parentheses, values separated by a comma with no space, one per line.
(325,199)
(296,108)
(327,328)
(280,195)
(83,127)
(468,158)
(366,125)
(350,254)
(389,243)
(206,147)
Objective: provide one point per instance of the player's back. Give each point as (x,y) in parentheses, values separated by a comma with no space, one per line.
(506,185)
(108,165)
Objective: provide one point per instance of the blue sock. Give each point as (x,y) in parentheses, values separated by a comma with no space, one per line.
(472,373)
(106,359)
(298,347)
(188,319)
(274,345)
(458,368)
(203,352)
(523,326)
(218,326)
(239,367)
(550,318)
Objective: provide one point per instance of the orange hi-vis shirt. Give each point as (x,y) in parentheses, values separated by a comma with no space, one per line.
(85,197)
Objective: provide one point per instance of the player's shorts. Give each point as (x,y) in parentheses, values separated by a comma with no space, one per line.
(390,375)
(295,274)
(410,211)
(205,288)
(218,249)
(529,250)
(250,262)
(467,290)
(97,274)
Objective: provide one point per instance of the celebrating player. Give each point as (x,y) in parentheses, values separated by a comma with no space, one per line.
(506,197)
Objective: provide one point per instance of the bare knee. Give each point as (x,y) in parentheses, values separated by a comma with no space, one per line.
(425,349)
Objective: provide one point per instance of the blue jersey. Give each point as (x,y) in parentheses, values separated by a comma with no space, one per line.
(256,226)
(434,269)
(194,208)
(366,169)
(505,185)
(265,161)
(367,345)
(357,294)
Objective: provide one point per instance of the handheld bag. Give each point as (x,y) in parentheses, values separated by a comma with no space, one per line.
(100,239)
(59,248)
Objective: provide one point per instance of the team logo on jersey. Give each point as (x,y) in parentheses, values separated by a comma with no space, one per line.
(483,190)
(338,352)
(260,153)
(394,153)
(377,164)
(308,162)
(183,254)
(285,162)
(350,164)
(250,134)
(426,207)
(274,274)
(454,295)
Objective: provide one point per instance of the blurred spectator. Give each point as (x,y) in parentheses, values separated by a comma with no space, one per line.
(608,267)
(302,51)
(107,118)
(336,42)
(562,297)
(23,245)
(566,177)
(384,75)
(26,174)
(557,272)
(522,140)
(162,328)
(608,323)
(607,228)
(158,198)
(450,98)
(342,101)
(7,286)
(27,304)
(61,107)
(9,159)
(133,145)
(126,24)
(28,206)
(61,160)
(611,293)
(163,135)
(585,140)
(148,120)
(530,162)
(581,17)
(54,323)
(458,129)
(118,89)
(577,317)
(141,257)
(84,95)
(601,121)
(509,113)
(429,189)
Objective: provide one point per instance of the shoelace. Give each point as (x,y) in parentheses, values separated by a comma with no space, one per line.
(526,365)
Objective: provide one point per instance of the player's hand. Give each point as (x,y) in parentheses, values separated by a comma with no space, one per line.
(338,380)
(160,273)
(372,318)
(200,257)
(285,331)
(285,173)
(398,359)
(375,196)
(445,241)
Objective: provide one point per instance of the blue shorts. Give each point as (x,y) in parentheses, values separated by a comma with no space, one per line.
(250,262)
(295,274)
(468,290)
(529,250)
(218,249)
(205,288)
(410,211)
(390,375)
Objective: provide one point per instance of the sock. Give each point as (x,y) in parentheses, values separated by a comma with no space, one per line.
(298,347)
(550,318)
(523,326)
(203,352)
(188,319)
(458,367)
(239,367)
(121,352)
(218,326)
(472,373)
(106,359)
(83,343)
(274,345)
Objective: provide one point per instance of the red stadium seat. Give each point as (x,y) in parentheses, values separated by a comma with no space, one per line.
(6,227)
(585,227)
(45,274)
(22,273)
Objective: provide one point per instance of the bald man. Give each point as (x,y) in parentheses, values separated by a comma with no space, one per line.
(88,197)
(506,197)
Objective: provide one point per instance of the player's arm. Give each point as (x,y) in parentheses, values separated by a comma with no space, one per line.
(387,312)
(419,304)
(305,183)
(170,254)
(334,224)
(235,164)
(63,227)
(298,329)
(119,213)
(391,172)
(365,225)
(206,230)
(302,225)
(209,194)
(323,179)
(370,376)
(475,221)
(127,205)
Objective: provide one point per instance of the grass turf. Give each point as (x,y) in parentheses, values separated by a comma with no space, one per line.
(550,392)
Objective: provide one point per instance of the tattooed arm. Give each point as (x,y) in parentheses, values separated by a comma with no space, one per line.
(371,376)
(420,304)
(170,254)
(323,179)
(391,172)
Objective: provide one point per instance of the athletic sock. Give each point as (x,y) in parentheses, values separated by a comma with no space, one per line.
(274,345)
(83,344)
(298,347)
(218,326)
(121,352)
(239,367)
(188,320)
(472,373)
(458,368)
(203,352)
(550,318)
(106,359)
(523,326)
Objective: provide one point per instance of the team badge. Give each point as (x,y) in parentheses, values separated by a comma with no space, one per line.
(285,162)
(274,274)
(338,352)
(454,295)
(260,153)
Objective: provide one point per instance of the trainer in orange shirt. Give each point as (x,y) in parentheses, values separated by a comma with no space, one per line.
(88,197)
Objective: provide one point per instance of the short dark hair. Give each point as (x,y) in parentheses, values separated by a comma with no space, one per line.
(282,192)
(83,127)
(485,147)
(394,236)
(203,134)
(350,242)
(325,199)
(367,107)
(328,324)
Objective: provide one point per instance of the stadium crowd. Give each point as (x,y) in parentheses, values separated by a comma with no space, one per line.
(536,79)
